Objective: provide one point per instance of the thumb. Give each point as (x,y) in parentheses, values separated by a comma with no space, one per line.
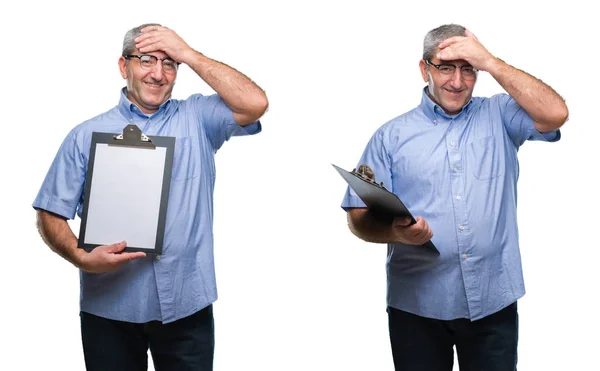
(117,247)
(401,222)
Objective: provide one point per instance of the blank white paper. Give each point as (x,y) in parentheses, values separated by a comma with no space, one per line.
(124,201)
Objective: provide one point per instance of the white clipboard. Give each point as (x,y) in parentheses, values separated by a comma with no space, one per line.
(127,190)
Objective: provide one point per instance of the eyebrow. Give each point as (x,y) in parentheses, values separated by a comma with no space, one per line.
(454,64)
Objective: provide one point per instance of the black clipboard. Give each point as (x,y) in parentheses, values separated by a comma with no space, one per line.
(127,190)
(378,199)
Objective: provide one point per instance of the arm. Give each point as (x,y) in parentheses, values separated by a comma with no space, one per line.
(547,109)
(57,234)
(368,228)
(247,101)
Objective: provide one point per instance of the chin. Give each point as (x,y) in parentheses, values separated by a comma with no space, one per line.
(455,107)
(451,109)
(154,101)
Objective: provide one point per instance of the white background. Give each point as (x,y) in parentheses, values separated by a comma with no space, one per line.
(297,290)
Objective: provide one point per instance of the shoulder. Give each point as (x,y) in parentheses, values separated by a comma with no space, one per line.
(401,121)
(198,99)
(401,126)
(500,100)
(110,121)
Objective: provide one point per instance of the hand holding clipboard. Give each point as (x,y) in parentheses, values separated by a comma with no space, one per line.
(377,198)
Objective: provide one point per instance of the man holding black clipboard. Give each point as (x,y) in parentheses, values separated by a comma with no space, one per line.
(453,161)
(130,301)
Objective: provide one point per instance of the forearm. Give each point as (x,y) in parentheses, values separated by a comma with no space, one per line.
(241,94)
(547,109)
(57,234)
(369,228)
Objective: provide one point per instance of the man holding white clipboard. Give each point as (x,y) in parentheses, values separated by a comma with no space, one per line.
(131,302)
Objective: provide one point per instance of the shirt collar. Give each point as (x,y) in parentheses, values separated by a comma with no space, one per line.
(433,110)
(127,108)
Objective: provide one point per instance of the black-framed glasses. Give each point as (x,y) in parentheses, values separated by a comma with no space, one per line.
(148,62)
(447,69)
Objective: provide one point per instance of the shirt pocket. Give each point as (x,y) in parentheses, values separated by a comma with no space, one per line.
(487,162)
(185,160)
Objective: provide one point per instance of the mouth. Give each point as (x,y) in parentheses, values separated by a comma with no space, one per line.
(454,92)
(153,85)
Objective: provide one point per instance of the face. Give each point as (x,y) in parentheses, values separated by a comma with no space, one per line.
(450,92)
(147,89)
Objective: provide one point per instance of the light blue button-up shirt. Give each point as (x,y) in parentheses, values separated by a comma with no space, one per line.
(459,173)
(182,280)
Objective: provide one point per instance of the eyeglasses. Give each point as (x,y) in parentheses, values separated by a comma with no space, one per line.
(148,62)
(447,69)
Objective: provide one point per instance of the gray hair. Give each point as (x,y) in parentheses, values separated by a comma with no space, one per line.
(437,35)
(129,40)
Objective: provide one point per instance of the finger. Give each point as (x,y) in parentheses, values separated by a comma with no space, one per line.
(134,255)
(421,223)
(150,35)
(156,43)
(428,234)
(422,235)
(142,36)
(401,222)
(421,226)
(152,28)
(145,40)
(149,47)
(471,34)
(447,54)
(117,247)
(127,256)
(449,41)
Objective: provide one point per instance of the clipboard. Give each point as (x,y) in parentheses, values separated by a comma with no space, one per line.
(127,190)
(382,202)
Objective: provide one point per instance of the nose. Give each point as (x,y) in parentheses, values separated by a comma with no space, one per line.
(157,71)
(456,80)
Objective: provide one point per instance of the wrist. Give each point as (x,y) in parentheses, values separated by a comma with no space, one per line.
(493,65)
(79,258)
(191,57)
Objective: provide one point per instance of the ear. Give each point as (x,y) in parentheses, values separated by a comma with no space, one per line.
(423,68)
(123,67)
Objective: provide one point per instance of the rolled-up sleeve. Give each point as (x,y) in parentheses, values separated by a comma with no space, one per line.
(217,119)
(519,124)
(62,188)
(377,158)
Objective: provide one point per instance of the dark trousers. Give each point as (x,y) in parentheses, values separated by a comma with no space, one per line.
(185,344)
(425,344)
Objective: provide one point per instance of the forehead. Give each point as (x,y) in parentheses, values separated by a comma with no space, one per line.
(456,62)
(157,54)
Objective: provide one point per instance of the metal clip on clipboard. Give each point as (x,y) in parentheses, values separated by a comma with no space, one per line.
(366,173)
(132,136)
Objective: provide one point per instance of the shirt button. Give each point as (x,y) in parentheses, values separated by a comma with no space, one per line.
(462,227)
(455,170)
(458,198)
(452,143)
(465,256)
(157,257)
